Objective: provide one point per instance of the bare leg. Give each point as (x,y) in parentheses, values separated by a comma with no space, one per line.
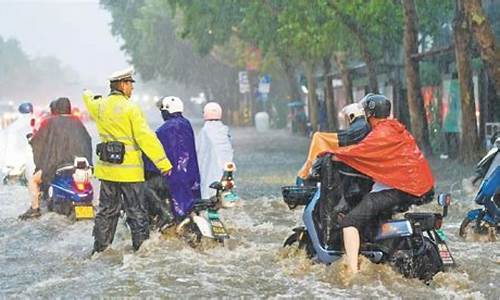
(351,245)
(34,187)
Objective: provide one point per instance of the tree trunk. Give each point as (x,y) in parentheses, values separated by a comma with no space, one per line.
(418,119)
(483,102)
(293,87)
(462,38)
(370,66)
(340,60)
(400,105)
(312,100)
(331,110)
(485,39)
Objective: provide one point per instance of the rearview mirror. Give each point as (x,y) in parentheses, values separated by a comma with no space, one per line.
(444,200)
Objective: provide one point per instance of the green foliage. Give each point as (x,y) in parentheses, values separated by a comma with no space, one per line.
(150,37)
(434,19)
(429,74)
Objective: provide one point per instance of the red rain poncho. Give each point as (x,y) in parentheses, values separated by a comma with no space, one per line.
(390,155)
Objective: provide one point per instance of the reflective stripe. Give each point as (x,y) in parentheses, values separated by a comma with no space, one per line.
(111,137)
(132,148)
(106,164)
(159,160)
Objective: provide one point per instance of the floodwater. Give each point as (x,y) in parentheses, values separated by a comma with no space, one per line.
(50,257)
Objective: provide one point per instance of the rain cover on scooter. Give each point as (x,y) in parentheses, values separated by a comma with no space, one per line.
(390,155)
(176,136)
(60,138)
(214,150)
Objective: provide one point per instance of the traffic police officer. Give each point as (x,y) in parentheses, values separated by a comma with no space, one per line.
(124,135)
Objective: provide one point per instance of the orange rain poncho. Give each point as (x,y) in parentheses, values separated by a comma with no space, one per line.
(321,142)
(390,155)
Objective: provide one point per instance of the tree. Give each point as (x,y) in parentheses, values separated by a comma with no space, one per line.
(485,38)
(415,100)
(462,37)
(150,38)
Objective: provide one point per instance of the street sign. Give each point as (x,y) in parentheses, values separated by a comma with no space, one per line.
(265,84)
(243,81)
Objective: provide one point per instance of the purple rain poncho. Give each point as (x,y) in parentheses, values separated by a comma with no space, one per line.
(176,136)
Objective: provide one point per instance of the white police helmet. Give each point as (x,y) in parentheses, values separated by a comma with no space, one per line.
(171,104)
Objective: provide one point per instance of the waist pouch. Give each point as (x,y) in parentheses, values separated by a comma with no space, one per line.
(112,152)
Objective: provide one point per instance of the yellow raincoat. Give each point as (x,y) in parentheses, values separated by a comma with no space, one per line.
(118,119)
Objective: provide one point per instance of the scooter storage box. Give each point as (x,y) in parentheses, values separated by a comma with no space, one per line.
(297,195)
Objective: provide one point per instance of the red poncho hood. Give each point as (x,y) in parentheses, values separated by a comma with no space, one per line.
(390,155)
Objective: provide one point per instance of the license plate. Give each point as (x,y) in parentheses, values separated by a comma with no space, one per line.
(218,229)
(84,212)
(445,254)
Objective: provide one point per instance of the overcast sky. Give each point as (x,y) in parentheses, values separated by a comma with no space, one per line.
(77,32)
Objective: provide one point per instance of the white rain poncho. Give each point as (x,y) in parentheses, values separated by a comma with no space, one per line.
(214,149)
(15,150)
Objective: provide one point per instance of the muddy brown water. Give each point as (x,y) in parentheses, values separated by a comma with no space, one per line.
(49,257)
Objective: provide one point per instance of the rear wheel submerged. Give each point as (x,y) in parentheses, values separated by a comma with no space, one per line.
(423,262)
(300,239)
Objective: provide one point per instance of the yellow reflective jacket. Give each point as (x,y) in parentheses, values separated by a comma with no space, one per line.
(118,119)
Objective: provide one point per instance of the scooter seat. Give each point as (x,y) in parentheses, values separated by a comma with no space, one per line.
(65,169)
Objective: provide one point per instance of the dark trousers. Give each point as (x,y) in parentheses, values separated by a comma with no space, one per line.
(374,204)
(113,197)
(157,200)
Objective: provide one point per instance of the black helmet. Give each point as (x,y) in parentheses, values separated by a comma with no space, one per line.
(377,106)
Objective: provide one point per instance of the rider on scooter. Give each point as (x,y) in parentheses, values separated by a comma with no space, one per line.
(390,156)
(357,128)
(176,136)
(60,138)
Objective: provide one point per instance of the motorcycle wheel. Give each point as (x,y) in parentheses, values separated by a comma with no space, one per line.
(488,232)
(302,240)
(465,227)
(424,266)
(191,234)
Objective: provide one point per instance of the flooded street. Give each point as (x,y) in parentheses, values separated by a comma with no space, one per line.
(50,257)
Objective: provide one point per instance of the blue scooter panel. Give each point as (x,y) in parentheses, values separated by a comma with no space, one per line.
(322,254)
(64,190)
(474,214)
(489,186)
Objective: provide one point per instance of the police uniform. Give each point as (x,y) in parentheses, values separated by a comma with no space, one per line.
(122,183)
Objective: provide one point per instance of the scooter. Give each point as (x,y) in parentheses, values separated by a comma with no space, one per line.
(204,221)
(15,175)
(413,245)
(485,221)
(227,195)
(70,192)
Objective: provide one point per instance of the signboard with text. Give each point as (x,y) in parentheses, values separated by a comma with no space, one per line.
(243,81)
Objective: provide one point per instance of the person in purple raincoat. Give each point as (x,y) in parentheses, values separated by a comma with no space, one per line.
(176,136)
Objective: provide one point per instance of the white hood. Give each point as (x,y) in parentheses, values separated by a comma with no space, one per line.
(213,150)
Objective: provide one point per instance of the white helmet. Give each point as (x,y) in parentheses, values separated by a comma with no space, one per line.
(171,104)
(352,111)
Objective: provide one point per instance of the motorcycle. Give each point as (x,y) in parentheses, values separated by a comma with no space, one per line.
(413,245)
(71,193)
(485,221)
(15,175)
(204,221)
